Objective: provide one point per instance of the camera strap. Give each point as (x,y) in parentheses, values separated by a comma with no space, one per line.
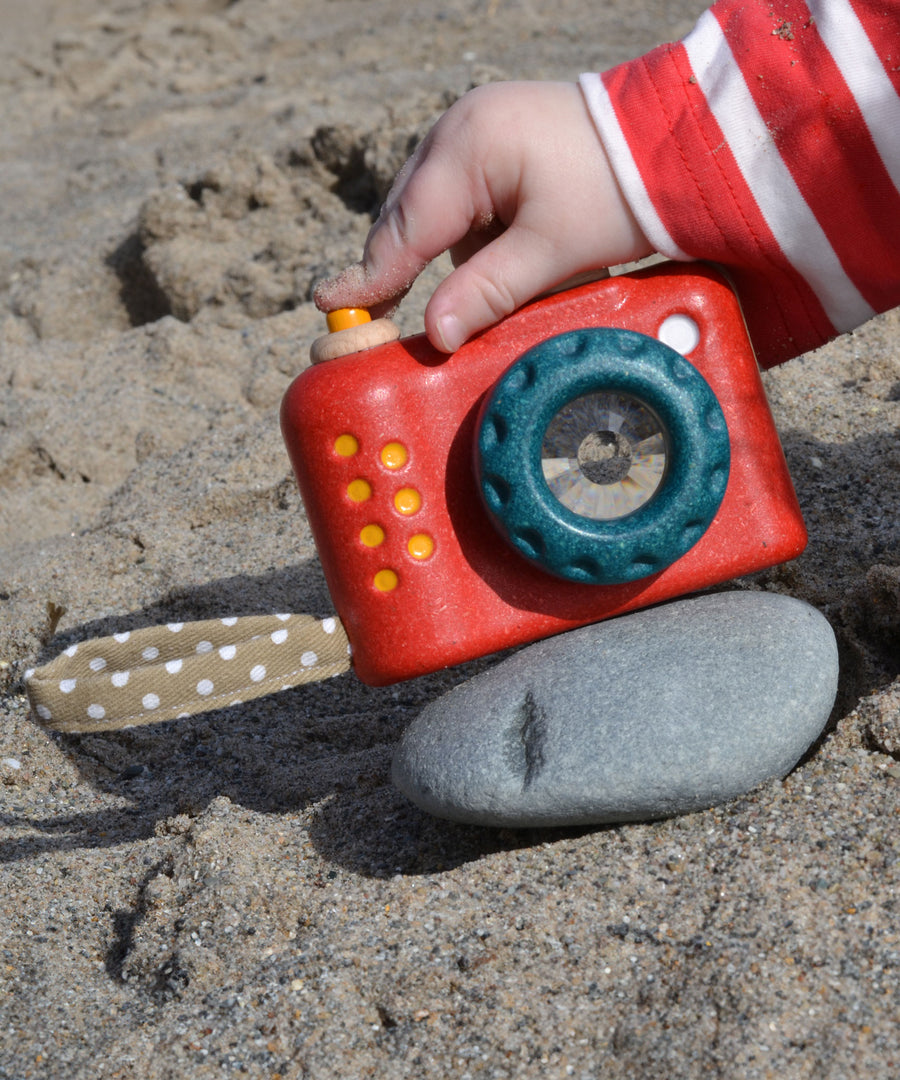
(160,673)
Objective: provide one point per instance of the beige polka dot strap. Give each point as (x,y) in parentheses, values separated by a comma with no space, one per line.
(168,672)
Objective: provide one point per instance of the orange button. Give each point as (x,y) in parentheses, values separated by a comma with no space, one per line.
(385,580)
(420,546)
(346,445)
(394,455)
(359,490)
(344,318)
(407,501)
(371,535)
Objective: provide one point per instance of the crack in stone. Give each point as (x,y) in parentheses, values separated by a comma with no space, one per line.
(533,735)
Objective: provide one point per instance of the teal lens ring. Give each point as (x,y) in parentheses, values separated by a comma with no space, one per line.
(602,455)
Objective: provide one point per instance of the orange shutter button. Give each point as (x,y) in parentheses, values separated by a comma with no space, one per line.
(351,330)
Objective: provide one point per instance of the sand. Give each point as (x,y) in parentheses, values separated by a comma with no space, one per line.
(245,893)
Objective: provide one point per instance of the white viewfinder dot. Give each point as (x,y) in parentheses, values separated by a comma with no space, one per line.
(680,333)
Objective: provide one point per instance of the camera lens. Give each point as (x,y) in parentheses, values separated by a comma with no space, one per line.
(604,454)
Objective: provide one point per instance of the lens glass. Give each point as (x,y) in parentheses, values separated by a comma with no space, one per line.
(604,455)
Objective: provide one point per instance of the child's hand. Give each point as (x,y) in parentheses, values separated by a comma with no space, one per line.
(514,181)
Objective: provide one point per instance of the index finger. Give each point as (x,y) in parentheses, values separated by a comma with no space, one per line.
(430,208)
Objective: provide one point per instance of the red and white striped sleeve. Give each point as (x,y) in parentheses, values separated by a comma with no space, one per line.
(768,141)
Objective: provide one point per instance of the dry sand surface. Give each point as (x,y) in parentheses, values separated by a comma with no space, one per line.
(245,893)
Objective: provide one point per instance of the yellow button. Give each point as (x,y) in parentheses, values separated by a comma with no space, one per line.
(359,490)
(371,535)
(346,445)
(344,318)
(394,455)
(385,580)
(420,546)
(407,501)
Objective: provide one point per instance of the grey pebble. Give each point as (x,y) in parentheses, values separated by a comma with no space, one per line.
(656,713)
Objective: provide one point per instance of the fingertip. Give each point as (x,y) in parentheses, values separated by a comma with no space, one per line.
(343,290)
(356,287)
(467,301)
(321,295)
(450,333)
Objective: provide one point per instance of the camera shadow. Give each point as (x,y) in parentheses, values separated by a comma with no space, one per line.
(325,744)
(327,747)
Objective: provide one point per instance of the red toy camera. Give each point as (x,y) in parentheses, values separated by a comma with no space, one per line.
(601,450)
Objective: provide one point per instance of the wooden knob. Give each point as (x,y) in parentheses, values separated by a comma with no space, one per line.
(352,330)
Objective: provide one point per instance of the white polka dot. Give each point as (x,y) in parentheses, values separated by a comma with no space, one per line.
(173,666)
(150,653)
(204,687)
(43,712)
(182,716)
(227,652)
(204,647)
(67,686)
(72,649)
(122,637)
(258,673)
(175,627)
(308,659)
(282,618)
(329,625)
(278,636)
(97,664)
(120,678)
(96,712)
(29,673)
(230,621)
(237,701)
(150,701)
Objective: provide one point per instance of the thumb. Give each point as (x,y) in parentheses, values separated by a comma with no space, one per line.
(492,283)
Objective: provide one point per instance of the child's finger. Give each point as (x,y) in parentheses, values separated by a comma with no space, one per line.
(429,209)
(491,284)
(434,211)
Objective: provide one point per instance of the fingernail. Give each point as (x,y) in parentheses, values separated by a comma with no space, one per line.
(450,331)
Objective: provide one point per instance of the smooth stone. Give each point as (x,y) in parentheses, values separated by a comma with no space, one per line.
(661,712)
